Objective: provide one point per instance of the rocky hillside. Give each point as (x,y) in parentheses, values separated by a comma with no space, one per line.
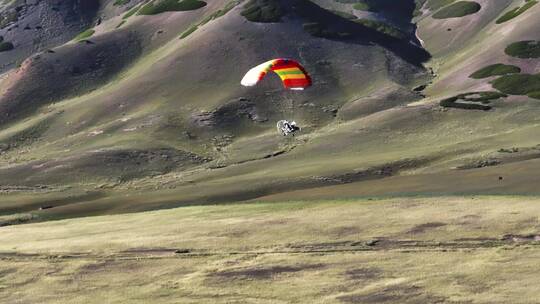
(113,106)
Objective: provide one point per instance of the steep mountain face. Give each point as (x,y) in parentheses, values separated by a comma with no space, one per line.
(144,108)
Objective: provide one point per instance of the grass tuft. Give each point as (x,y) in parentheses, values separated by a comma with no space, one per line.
(131,12)
(516,11)
(160,6)
(263,11)
(382,28)
(321,30)
(472,100)
(189,31)
(84,35)
(518,84)
(363,6)
(6,46)
(219,13)
(524,49)
(495,70)
(535,95)
(458,9)
(121,23)
(120,2)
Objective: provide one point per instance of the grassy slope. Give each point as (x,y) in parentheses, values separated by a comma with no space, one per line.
(158,89)
(435,249)
(152,103)
(318,241)
(462,51)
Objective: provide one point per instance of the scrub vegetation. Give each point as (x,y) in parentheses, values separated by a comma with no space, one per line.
(219,13)
(472,100)
(131,12)
(121,23)
(263,11)
(382,27)
(495,70)
(518,84)
(458,9)
(322,30)
(524,49)
(535,95)
(517,11)
(189,31)
(120,2)
(86,34)
(6,46)
(363,6)
(160,6)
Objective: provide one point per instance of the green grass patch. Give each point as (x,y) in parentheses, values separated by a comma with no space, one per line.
(16,219)
(458,9)
(221,12)
(321,30)
(518,84)
(382,28)
(6,46)
(516,11)
(189,31)
(524,49)
(495,70)
(25,137)
(121,23)
(363,6)
(263,11)
(472,100)
(86,34)
(131,12)
(535,95)
(160,6)
(120,2)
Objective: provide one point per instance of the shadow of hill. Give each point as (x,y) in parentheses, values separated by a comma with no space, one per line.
(342,29)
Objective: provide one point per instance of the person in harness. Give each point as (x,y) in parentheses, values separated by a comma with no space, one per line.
(285,127)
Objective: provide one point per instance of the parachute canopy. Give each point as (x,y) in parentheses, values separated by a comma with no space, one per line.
(293,75)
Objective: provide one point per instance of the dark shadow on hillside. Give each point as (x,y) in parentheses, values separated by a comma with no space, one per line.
(399,11)
(334,27)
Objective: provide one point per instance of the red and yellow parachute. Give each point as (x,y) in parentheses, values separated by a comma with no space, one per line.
(293,75)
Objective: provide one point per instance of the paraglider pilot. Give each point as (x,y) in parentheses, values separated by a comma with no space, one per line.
(285,127)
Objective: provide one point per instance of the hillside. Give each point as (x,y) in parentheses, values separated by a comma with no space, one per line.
(144,110)
(135,168)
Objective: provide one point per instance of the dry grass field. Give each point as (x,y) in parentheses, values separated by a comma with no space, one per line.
(474,249)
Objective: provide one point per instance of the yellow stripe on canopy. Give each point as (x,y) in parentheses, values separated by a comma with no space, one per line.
(292,76)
